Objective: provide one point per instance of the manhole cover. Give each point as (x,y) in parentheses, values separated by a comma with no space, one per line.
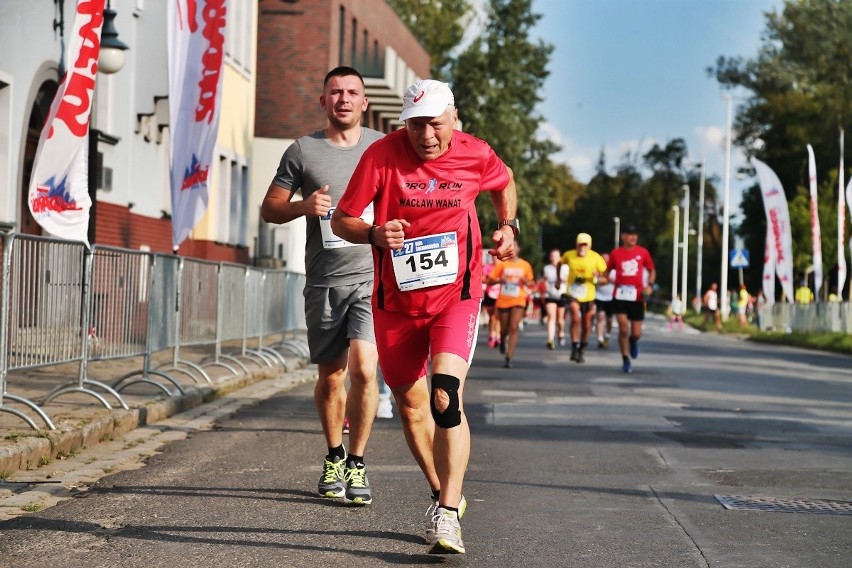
(790,505)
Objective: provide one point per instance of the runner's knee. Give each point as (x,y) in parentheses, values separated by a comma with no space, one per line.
(449,413)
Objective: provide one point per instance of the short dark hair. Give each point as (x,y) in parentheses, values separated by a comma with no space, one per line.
(342,71)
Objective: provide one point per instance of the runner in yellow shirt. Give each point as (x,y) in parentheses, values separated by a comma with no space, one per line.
(585,269)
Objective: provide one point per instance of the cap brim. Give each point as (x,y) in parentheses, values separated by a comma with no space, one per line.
(423,110)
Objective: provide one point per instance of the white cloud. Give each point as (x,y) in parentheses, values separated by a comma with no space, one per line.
(710,138)
(583,160)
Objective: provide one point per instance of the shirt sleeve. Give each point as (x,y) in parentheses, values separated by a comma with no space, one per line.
(495,174)
(363,186)
(649,262)
(289,174)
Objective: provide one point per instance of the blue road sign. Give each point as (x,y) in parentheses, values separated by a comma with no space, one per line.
(739,258)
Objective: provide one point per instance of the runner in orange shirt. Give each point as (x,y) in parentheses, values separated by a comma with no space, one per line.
(516,279)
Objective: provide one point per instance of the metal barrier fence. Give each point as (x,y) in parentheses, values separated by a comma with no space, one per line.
(284,308)
(41,321)
(824,317)
(61,303)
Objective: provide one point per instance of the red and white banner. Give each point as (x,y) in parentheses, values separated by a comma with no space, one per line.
(196,53)
(778,221)
(848,203)
(769,267)
(59,184)
(816,234)
(841,226)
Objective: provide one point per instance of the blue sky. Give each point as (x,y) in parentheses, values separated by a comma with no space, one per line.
(626,74)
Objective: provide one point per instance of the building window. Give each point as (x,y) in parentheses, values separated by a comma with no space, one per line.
(223,199)
(342,39)
(354,43)
(232,202)
(238,44)
(365,52)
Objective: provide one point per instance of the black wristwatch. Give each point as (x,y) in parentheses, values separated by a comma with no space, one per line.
(513,223)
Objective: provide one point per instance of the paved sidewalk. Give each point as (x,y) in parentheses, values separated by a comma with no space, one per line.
(82,421)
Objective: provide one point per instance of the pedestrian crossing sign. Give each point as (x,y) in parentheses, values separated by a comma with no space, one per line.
(739,258)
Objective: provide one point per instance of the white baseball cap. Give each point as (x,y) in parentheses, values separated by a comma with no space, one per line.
(426,97)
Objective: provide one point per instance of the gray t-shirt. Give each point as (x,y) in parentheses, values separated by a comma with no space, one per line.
(308,164)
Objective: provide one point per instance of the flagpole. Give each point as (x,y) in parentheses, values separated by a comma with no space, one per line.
(726,209)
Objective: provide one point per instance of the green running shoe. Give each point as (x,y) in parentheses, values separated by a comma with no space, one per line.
(331,483)
(357,487)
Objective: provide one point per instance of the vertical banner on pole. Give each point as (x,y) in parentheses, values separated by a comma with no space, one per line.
(59,184)
(841,226)
(778,221)
(769,267)
(816,233)
(196,54)
(849,204)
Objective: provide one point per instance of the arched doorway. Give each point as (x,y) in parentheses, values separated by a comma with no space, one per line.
(38,116)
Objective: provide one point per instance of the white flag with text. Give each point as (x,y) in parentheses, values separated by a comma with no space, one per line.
(196,54)
(778,221)
(59,184)
(816,233)
(769,267)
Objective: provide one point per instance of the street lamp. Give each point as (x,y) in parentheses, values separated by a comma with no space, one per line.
(700,231)
(676,210)
(726,210)
(617,222)
(111,58)
(683,294)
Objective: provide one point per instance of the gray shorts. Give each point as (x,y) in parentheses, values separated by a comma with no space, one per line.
(336,315)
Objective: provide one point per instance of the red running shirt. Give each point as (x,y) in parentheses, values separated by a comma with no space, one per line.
(630,266)
(435,196)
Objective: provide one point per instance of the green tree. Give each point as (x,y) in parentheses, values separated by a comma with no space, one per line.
(439,25)
(800,93)
(497,83)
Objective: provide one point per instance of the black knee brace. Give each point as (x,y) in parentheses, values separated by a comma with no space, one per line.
(451,417)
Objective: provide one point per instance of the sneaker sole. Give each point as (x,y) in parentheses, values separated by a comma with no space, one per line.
(446,547)
(330,494)
(430,534)
(357,501)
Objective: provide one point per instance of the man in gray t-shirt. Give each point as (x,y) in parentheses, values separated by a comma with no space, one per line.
(339,280)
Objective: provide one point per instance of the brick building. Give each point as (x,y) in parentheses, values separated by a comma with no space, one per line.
(298,42)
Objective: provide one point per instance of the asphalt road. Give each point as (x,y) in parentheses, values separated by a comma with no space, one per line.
(571,465)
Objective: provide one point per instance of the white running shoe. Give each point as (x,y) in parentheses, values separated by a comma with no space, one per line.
(433,520)
(385,409)
(448,537)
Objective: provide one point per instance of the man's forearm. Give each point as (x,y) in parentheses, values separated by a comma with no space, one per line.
(506,201)
(352,229)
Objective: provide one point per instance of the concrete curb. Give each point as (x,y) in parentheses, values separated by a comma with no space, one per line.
(29,451)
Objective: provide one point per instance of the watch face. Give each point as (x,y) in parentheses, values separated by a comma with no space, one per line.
(514,223)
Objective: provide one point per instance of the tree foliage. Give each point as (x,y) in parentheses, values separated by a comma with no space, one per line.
(799,93)
(439,25)
(497,83)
